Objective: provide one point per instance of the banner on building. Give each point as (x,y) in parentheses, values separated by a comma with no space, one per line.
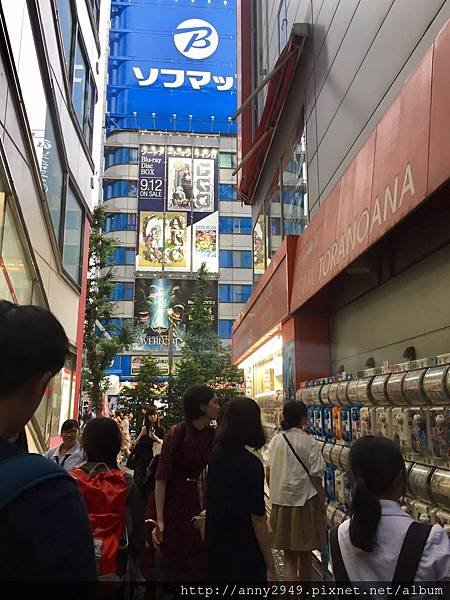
(179,179)
(151,241)
(177,247)
(204,184)
(152,176)
(161,307)
(206,236)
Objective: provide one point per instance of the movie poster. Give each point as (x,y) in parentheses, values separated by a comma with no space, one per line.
(152,176)
(151,241)
(161,307)
(205,243)
(176,242)
(204,184)
(259,252)
(180,181)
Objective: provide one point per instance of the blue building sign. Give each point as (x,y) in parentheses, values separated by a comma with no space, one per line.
(172,65)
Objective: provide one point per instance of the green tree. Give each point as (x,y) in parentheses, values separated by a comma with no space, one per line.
(102,341)
(203,358)
(147,388)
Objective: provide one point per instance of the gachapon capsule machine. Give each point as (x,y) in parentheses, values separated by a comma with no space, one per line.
(393,422)
(438,417)
(345,412)
(330,512)
(417,414)
(419,485)
(329,472)
(336,413)
(327,413)
(367,410)
(355,409)
(440,489)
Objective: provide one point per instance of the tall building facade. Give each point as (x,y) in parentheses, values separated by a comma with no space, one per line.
(343,121)
(169,185)
(52,107)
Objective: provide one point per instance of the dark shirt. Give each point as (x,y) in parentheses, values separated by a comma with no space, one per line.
(235,492)
(45,533)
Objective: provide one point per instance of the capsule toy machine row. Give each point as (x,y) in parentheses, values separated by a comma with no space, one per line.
(436,385)
(346,412)
(330,493)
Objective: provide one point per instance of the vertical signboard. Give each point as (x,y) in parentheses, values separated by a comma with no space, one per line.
(178,219)
(152,177)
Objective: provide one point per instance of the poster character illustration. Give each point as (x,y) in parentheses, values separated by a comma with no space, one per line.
(175,243)
(205,245)
(151,246)
(258,246)
(181,190)
(204,176)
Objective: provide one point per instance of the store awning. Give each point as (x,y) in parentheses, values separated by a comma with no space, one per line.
(279,80)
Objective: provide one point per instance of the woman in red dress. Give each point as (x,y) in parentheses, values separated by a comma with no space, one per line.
(184,456)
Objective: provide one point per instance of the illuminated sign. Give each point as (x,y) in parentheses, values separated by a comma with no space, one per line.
(174,68)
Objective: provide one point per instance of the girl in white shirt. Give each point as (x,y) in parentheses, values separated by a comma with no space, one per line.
(370,543)
(296,493)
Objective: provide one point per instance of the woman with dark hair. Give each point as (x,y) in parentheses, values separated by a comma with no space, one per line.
(237,539)
(115,509)
(294,470)
(146,446)
(184,456)
(381,542)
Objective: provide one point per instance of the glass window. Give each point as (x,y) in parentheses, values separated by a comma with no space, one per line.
(237,259)
(116,188)
(121,156)
(227,191)
(79,82)
(235,225)
(65,17)
(227,160)
(52,174)
(120,222)
(294,189)
(16,282)
(123,256)
(73,235)
(234,293)
(84,94)
(225,327)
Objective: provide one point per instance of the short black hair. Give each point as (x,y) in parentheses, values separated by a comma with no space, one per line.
(69,425)
(293,412)
(240,424)
(102,441)
(195,397)
(32,342)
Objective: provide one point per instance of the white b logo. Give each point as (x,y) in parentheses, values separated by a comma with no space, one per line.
(196,39)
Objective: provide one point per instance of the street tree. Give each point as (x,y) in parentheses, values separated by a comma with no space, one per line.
(204,359)
(148,386)
(103,340)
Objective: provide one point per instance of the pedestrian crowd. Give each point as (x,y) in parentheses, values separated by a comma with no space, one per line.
(190,505)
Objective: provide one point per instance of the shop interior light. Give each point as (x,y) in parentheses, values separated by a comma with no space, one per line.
(267,350)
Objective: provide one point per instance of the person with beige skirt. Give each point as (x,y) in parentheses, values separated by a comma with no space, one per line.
(294,472)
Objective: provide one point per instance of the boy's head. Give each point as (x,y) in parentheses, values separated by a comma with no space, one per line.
(33,348)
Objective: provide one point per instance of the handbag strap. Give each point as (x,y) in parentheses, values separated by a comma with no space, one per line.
(411,552)
(339,570)
(296,455)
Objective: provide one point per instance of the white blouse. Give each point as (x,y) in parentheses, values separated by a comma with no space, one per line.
(380,564)
(290,484)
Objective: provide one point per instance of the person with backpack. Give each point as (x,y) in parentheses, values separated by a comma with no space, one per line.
(294,471)
(115,509)
(380,541)
(40,505)
(69,454)
(179,490)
